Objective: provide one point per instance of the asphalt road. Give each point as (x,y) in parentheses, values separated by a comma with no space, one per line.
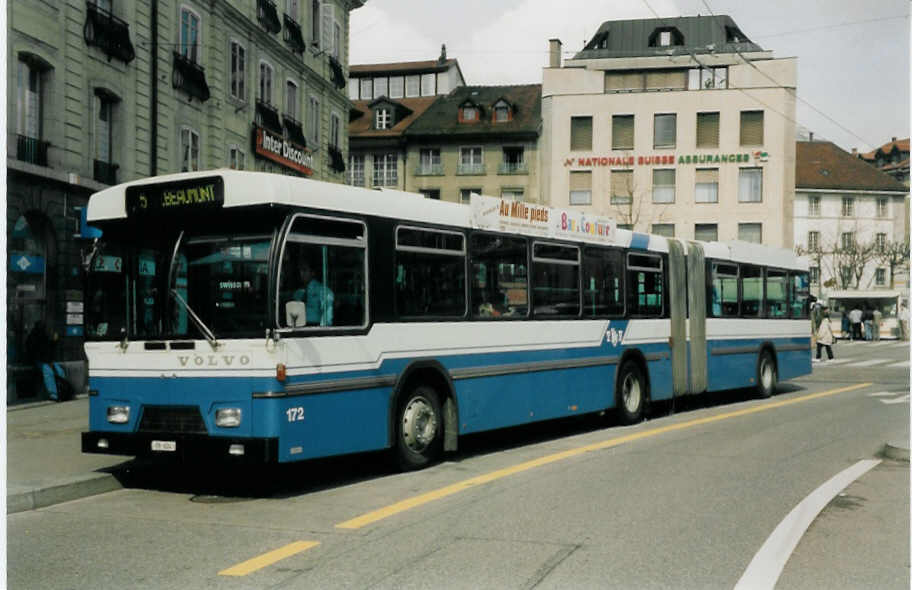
(683,500)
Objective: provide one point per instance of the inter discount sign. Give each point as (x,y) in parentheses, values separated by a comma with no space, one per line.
(279,150)
(507,215)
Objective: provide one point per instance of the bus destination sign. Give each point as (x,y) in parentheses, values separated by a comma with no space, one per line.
(175,197)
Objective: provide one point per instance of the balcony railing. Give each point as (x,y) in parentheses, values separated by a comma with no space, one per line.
(189,77)
(32,150)
(106,172)
(107,32)
(292,35)
(338,76)
(268,16)
(294,131)
(336,159)
(472,169)
(268,116)
(429,170)
(513,168)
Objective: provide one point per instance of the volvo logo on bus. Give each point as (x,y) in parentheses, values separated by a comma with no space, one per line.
(213,360)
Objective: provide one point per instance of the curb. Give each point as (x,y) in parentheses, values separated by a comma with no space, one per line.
(79,487)
(896,451)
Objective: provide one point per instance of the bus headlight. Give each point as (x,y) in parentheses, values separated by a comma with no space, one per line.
(228,417)
(118,414)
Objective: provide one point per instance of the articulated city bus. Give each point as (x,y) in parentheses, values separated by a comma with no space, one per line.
(263,318)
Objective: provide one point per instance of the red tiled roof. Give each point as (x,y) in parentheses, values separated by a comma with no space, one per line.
(410,67)
(900,144)
(823,165)
(363,126)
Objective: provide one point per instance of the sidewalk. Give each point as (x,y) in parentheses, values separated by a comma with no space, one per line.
(45,464)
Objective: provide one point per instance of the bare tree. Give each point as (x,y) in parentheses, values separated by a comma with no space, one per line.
(628,206)
(891,255)
(848,260)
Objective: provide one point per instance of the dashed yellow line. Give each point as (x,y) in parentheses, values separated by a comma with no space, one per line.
(252,565)
(413,502)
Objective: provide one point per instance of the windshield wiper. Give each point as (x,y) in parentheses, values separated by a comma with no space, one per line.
(196,319)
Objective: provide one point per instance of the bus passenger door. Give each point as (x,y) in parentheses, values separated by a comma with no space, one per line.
(677,291)
(696,293)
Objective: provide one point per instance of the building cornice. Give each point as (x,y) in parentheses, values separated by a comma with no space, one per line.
(843,191)
(68,178)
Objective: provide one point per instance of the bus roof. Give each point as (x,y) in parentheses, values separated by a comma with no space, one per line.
(865,294)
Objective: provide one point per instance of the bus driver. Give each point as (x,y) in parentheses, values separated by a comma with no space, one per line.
(317,297)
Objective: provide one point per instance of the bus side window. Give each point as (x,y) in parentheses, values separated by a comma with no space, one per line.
(603,282)
(799,294)
(776,295)
(645,285)
(723,299)
(499,278)
(751,290)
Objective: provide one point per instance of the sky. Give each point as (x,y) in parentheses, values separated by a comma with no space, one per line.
(853,55)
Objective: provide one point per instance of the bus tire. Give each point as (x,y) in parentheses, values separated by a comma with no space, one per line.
(631,392)
(419,428)
(766,374)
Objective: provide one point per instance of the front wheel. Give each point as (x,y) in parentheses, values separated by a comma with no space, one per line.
(766,375)
(631,392)
(419,428)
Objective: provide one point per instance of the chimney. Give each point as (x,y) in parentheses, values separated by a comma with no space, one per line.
(442,59)
(854,151)
(554,52)
(810,136)
(894,139)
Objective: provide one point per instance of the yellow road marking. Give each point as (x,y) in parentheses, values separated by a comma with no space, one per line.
(409,503)
(252,565)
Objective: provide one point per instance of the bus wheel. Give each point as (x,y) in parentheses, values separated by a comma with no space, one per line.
(420,426)
(631,393)
(766,374)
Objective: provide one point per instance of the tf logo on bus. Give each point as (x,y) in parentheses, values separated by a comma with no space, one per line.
(614,336)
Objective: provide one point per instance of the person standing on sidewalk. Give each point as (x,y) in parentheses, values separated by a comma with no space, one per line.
(868,319)
(855,318)
(825,336)
(875,328)
(39,346)
(903,322)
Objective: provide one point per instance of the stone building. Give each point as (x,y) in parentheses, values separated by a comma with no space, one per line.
(107,91)
(678,126)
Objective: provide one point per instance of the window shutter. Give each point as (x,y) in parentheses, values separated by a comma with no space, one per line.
(707,129)
(708,176)
(580,133)
(622,132)
(580,180)
(752,128)
(664,131)
(621,183)
(327,14)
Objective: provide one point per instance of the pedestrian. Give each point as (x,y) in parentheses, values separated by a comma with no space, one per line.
(868,320)
(903,322)
(877,317)
(845,328)
(825,336)
(855,317)
(39,346)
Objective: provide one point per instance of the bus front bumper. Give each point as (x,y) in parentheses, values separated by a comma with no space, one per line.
(182,447)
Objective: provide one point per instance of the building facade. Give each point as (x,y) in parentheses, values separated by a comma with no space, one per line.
(849,221)
(108,91)
(680,126)
(891,158)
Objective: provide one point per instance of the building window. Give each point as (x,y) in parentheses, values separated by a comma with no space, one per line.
(814,272)
(882,210)
(189,35)
(624,82)
(468,114)
(707,130)
(880,243)
(512,194)
(356,169)
(848,240)
(621,187)
(335,131)
(663,186)
(751,127)
(265,83)
(291,99)
(848,206)
(28,107)
(750,232)
(238,71)
(580,187)
(880,277)
(465,194)
(707,78)
(237,159)
(622,132)
(354,86)
(664,229)
(513,160)
(430,193)
(501,112)
(706,188)
(813,241)
(396,85)
(813,206)
(337,39)
(706,232)
(385,173)
(189,149)
(367,88)
(412,86)
(380,87)
(470,160)
(429,161)
(750,185)
(103,129)
(315,22)
(383,118)
(580,133)
(313,121)
(427,84)
(664,38)
(443,83)
(665,131)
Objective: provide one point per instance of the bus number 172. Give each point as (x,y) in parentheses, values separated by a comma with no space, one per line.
(295,414)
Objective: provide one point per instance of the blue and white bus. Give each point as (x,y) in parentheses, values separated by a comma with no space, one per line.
(264,318)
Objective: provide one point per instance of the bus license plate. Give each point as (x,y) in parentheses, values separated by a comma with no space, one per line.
(164,445)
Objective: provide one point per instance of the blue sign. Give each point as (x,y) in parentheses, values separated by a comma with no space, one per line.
(19,262)
(74,330)
(86,230)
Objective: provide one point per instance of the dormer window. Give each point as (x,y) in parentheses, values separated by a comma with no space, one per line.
(666,37)
(469,114)
(502,112)
(383,118)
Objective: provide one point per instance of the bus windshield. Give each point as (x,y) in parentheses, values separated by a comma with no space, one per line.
(148,282)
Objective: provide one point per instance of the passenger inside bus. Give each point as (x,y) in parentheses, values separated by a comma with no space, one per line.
(317,298)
